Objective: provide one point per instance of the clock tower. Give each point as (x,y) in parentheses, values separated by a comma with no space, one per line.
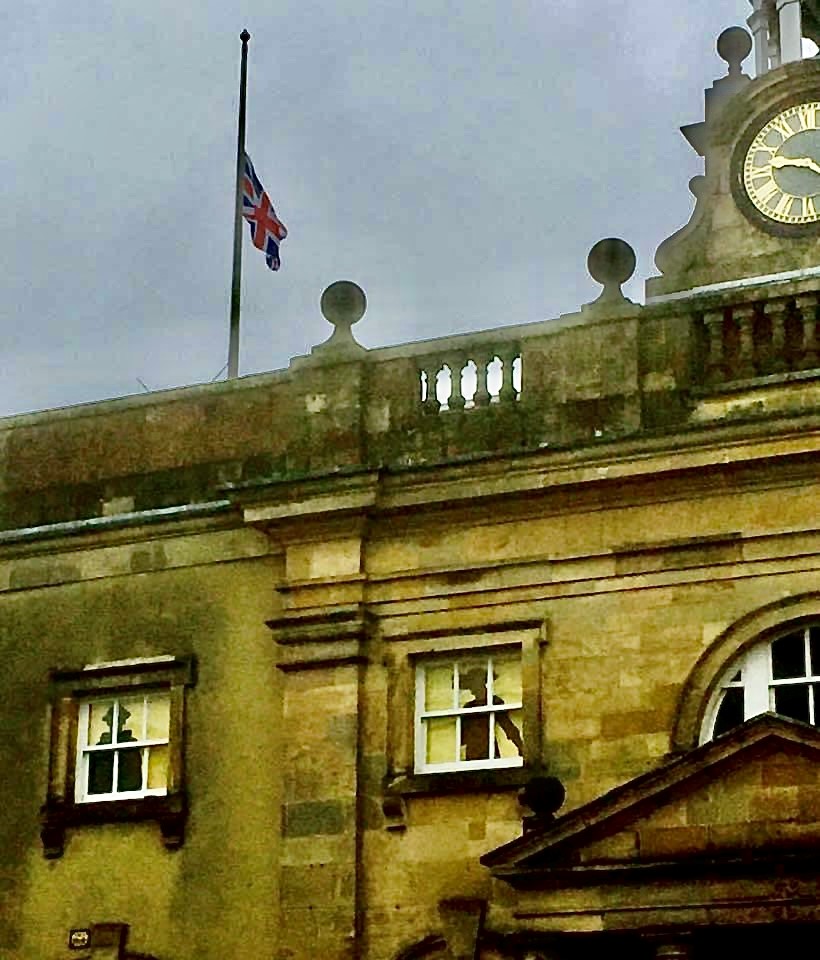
(757,212)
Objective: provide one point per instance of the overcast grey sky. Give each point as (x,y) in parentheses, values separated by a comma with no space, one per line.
(456,158)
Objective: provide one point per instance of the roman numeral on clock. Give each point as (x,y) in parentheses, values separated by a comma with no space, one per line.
(807,115)
(784,204)
(781,125)
(764,194)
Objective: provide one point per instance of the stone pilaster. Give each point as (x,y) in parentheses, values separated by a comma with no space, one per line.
(322,656)
(321,638)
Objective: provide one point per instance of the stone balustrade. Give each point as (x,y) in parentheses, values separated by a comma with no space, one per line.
(613,371)
(761,338)
(470,378)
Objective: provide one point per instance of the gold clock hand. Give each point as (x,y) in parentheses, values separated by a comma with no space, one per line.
(806,162)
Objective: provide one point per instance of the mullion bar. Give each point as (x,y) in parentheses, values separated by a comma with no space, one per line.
(102,747)
(456,686)
(115,725)
(144,750)
(457,707)
(461,711)
(791,681)
(490,678)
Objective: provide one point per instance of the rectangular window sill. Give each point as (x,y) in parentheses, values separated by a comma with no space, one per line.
(124,797)
(169,811)
(461,781)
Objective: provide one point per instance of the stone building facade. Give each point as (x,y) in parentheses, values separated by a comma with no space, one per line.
(504,645)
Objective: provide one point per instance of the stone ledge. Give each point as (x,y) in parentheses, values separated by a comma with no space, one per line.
(467,781)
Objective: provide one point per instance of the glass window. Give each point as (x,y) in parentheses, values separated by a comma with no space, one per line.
(780,675)
(123,747)
(116,749)
(468,712)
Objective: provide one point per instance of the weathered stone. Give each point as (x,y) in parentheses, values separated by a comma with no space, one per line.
(313,818)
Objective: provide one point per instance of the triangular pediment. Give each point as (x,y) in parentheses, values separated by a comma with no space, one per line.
(751,794)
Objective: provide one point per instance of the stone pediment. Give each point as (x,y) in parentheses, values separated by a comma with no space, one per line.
(749,798)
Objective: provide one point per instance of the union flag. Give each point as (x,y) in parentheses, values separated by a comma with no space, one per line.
(267,230)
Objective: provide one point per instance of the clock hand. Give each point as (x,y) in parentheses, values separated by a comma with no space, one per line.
(806,162)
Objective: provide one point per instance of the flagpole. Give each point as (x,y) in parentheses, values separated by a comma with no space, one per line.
(236,279)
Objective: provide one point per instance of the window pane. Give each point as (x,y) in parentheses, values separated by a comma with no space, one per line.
(438,687)
(441,739)
(788,657)
(507,680)
(157,767)
(100,719)
(472,684)
(792,701)
(475,736)
(130,720)
(730,713)
(100,771)
(508,739)
(814,644)
(159,711)
(129,776)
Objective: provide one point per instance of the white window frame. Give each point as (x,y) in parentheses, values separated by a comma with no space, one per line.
(71,694)
(758,683)
(142,743)
(473,660)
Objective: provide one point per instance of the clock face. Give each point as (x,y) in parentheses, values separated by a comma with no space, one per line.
(781,167)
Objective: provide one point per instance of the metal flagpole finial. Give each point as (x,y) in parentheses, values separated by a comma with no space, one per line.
(244,36)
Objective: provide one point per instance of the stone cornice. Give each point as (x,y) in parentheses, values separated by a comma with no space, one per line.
(332,636)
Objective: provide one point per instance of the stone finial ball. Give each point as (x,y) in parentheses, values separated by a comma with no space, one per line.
(543,795)
(734,45)
(343,303)
(611,261)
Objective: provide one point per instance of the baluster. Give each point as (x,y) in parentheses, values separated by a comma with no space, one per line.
(456,364)
(775,310)
(495,375)
(469,378)
(746,347)
(715,368)
(482,392)
(807,305)
(507,392)
(445,376)
(430,370)
(520,389)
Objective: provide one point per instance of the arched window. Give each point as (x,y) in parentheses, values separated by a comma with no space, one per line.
(780,675)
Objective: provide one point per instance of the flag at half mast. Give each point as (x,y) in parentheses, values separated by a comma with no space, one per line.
(267,230)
